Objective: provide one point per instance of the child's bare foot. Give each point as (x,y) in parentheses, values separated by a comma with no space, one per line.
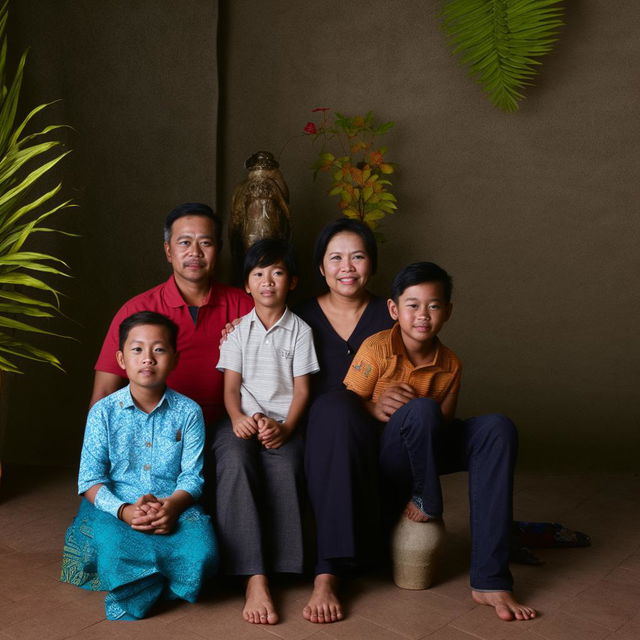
(323,605)
(413,512)
(258,605)
(506,606)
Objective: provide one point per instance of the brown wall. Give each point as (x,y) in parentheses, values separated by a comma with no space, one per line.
(534,213)
(138,82)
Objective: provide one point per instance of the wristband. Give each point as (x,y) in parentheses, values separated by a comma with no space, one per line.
(121,509)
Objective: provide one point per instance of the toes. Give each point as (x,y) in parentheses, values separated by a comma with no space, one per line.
(504,613)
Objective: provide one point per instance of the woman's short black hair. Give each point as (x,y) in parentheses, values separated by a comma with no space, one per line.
(420,272)
(266,252)
(352,226)
(147,317)
(194,209)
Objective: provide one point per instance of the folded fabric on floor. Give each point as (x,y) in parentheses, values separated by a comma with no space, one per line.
(102,553)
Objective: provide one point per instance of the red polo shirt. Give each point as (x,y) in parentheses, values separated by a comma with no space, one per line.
(196,375)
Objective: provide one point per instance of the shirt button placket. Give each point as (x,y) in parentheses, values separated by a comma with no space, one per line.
(148,452)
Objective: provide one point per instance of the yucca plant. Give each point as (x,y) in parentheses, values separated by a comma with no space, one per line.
(500,41)
(24,159)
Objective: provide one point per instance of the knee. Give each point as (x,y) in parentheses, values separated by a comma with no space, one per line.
(425,411)
(335,415)
(499,427)
(235,458)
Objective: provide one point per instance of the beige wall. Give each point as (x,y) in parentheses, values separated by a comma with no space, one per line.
(534,213)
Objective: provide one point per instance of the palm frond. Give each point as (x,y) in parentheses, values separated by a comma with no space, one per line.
(499,40)
(24,160)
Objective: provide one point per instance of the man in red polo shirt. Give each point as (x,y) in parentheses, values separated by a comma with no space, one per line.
(198,305)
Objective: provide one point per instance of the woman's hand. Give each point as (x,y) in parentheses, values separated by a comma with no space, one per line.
(391,400)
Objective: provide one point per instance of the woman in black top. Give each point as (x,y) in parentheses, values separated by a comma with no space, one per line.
(341,442)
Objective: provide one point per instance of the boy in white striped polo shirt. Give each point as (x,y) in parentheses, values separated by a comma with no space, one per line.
(267,361)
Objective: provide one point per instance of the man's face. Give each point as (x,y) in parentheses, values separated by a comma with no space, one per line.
(192,250)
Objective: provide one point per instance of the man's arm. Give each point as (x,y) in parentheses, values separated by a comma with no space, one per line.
(104,384)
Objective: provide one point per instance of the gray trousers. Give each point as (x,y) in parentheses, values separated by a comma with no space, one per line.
(258,497)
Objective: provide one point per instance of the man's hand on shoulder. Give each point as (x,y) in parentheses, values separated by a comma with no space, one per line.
(227,329)
(391,400)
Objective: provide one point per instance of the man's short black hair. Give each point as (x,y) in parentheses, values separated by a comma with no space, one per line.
(420,272)
(147,317)
(352,226)
(194,209)
(266,252)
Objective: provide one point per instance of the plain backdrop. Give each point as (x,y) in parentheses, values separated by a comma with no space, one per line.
(535,214)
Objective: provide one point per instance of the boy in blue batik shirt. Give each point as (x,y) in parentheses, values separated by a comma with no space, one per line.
(138,533)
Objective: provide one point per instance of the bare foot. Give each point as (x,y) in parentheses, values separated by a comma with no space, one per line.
(506,606)
(258,605)
(413,512)
(323,605)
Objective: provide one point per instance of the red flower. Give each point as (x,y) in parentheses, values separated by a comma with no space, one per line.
(310,128)
(320,109)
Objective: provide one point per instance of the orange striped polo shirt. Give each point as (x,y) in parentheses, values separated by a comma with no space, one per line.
(382,362)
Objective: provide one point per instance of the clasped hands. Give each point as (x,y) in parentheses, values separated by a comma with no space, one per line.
(270,433)
(151,515)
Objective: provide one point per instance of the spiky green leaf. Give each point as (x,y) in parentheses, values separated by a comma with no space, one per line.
(499,40)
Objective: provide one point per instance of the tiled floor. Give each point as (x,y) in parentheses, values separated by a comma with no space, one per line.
(586,594)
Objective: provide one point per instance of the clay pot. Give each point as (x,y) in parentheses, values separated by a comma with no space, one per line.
(416,548)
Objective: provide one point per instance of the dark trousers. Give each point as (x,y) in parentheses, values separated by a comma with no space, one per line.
(341,465)
(257,508)
(342,460)
(416,448)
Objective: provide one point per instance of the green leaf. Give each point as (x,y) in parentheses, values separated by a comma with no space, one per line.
(22,326)
(23,309)
(499,40)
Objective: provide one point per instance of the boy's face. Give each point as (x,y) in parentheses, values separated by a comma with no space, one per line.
(421,312)
(269,285)
(147,356)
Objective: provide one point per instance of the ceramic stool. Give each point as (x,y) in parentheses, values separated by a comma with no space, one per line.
(415,550)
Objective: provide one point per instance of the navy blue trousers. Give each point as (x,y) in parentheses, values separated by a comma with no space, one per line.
(343,457)
(416,447)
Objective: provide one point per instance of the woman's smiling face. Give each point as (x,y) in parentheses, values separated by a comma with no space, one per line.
(346,266)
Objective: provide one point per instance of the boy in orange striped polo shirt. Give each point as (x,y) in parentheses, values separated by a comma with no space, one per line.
(409,380)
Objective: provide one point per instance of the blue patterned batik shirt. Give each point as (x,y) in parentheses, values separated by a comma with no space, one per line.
(132,452)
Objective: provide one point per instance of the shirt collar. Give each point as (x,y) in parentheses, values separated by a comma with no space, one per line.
(174,298)
(398,349)
(125,400)
(285,321)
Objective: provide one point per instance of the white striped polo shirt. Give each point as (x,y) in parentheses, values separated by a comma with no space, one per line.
(269,361)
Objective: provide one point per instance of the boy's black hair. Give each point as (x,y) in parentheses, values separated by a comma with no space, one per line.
(266,252)
(147,317)
(194,209)
(420,272)
(352,226)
